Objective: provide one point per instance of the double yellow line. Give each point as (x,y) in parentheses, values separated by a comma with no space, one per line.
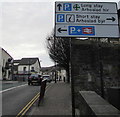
(28,106)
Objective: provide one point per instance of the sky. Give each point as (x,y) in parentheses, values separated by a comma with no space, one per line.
(25,25)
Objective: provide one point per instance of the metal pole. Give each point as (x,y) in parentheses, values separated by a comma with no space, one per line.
(55,74)
(101,71)
(55,60)
(72,83)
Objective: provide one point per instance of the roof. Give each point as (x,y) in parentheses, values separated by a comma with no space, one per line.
(49,69)
(6,52)
(16,61)
(28,61)
(46,68)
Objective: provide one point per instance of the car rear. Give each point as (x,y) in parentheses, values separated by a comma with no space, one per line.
(34,79)
(47,77)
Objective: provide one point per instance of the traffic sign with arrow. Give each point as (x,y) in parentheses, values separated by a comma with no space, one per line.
(91,19)
(60,30)
(78,18)
(87,31)
(112,19)
(59,7)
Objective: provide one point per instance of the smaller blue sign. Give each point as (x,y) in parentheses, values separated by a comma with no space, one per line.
(81,30)
(60,18)
(67,7)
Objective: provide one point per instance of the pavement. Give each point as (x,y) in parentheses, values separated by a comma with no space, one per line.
(9,84)
(57,101)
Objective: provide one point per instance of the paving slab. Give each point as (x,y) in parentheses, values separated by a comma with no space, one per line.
(57,101)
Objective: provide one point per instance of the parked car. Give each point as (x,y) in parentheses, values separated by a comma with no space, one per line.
(34,79)
(47,77)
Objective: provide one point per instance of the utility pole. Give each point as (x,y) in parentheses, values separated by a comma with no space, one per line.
(101,70)
(72,81)
(55,60)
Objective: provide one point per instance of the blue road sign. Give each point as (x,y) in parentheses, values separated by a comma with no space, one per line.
(60,17)
(81,30)
(67,7)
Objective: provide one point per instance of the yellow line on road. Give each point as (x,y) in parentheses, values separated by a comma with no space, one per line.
(28,106)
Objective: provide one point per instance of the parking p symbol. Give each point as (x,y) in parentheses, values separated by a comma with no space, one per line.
(60,18)
(67,7)
(72,30)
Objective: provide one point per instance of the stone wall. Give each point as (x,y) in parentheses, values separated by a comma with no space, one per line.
(85,66)
(91,104)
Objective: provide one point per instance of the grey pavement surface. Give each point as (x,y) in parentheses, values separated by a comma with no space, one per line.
(57,101)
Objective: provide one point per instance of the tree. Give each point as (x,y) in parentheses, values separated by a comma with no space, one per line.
(59,51)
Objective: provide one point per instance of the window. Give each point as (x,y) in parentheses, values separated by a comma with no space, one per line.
(32,69)
(24,68)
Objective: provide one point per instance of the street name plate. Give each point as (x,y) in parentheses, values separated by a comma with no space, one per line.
(86,19)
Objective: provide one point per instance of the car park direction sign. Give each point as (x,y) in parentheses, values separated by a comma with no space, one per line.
(86,19)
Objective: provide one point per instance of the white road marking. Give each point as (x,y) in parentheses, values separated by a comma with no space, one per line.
(12,88)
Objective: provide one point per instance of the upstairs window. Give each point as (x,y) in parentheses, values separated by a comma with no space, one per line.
(24,68)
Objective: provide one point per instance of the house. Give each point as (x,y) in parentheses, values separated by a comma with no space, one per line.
(48,71)
(60,72)
(26,66)
(15,68)
(5,65)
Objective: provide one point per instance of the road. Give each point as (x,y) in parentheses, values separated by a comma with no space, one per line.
(14,100)
(10,84)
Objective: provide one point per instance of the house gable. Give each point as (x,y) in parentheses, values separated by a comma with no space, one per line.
(27,65)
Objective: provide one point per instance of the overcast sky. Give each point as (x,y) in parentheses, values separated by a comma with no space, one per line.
(24,26)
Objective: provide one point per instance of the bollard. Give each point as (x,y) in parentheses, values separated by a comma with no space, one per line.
(42,90)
